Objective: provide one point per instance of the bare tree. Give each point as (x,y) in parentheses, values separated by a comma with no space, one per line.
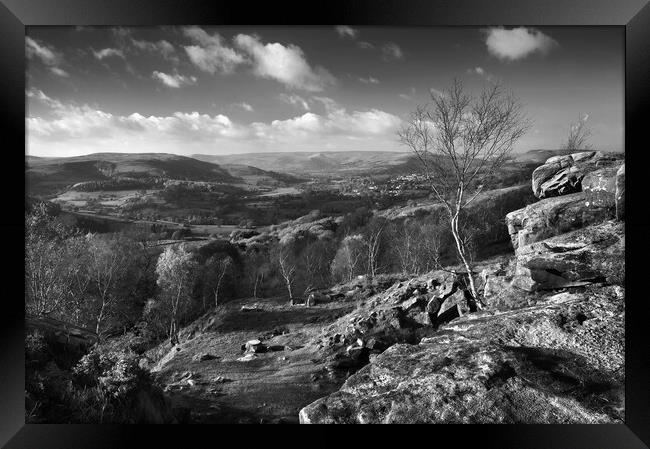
(175,270)
(405,244)
(287,267)
(348,257)
(460,140)
(578,136)
(257,268)
(223,266)
(373,239)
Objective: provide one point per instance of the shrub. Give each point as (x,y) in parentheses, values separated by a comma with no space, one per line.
(111,387)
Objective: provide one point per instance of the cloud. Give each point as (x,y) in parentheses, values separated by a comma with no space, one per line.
(108,53)
(477,70)
(75,129)
(337,122)
(245,106)
(346,31)
(405,97)
(365,45)
(210,54)
(175,81)
(46,54)
(72,122)
(517,43)
(391,51)
(59,71)
(286,64)
(162,47)
(295,100)
(437,92)
(369,80)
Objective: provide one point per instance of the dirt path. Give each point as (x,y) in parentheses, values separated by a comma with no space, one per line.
(271,387)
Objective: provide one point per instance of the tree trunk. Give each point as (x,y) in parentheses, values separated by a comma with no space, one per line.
(289,289)
(460,249)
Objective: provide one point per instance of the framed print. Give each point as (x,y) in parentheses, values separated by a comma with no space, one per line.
(348,212)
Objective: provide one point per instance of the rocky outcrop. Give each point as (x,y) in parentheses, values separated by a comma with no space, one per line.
(600,187)
(553,216)
(559,361)
(620,193)
(548,348)
(562,175)
(595,254)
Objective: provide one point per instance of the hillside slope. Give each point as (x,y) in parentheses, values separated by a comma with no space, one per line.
(313,163)
(548,348)
(48,174)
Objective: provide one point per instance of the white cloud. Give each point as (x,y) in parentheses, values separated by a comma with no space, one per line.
(108,53)
(286,64)
(335,122)
(245,106)
(47,55)
(405,97)
(59,71)
(211,54)
(369,80)
(517,43)
(391,51)
(295,100)
(162,47)
(72,122)
(175,81)
(365,45)
(480,71)
(78,129)
(437,92)
(346,31)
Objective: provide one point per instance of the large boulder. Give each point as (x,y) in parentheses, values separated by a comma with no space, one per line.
(559,361)
(553,216)
(600,187)
(595,254)
(620,193)
(562,175)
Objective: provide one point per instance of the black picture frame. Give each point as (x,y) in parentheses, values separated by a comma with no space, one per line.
(633,15)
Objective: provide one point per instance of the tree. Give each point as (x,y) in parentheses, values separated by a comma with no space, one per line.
(175,269)
(111,273)
(405,245)
(349,257)
(373,239)
(460,140)
(315,259)
(52,268)
(578,135)
(257,268)
(286,266)
(222,267)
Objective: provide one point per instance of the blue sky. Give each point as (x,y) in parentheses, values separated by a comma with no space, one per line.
(224,90)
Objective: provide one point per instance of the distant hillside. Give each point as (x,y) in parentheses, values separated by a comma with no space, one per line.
(526,161)
(312,163)
(45,175)
(256,175)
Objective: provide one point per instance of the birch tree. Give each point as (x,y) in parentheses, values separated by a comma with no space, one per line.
(460,140)
(175,273)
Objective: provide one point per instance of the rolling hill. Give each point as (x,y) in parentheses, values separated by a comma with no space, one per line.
(45,175)
(334,162)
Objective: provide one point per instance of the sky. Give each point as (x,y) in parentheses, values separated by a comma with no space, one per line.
(227,90)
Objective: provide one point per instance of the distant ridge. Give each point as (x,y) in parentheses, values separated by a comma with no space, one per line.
(51,173)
